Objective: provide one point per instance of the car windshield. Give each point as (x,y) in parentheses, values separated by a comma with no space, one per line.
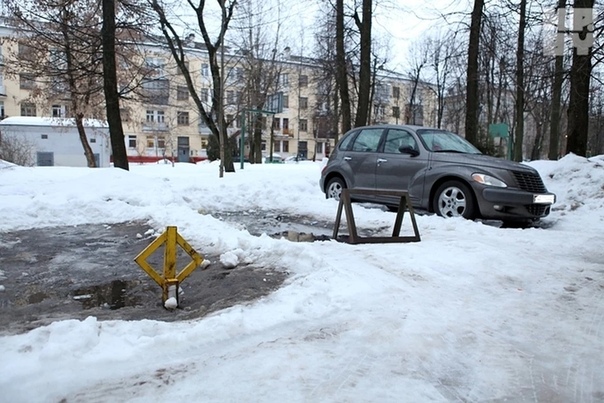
(443,141)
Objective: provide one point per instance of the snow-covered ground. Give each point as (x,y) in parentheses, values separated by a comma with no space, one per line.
(471,313)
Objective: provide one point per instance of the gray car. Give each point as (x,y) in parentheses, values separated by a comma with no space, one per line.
(441,171)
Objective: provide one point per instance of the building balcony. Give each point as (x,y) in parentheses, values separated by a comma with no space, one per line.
(155,127)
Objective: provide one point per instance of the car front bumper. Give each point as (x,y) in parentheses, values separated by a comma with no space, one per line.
(514,204)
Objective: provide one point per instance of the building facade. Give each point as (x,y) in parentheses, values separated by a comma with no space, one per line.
(161,120)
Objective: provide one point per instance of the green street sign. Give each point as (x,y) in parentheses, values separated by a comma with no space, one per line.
(499,130)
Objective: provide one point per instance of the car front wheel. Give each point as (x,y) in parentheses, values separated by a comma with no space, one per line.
(334,188)
(454,199)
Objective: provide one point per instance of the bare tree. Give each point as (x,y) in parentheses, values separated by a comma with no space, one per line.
(364,87)
(342,68)
(418,60)
(59,52)
(16,149)
(518,138)
(116,131)
(472,94)
(261,63)
(174,41)
(580,77)
(554,135)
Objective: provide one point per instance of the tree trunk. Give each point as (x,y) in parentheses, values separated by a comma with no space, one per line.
(519,137)
(365,64)
(84,140)
(472,100)
(554,135)
(578,107)
(116,132)
(342,69)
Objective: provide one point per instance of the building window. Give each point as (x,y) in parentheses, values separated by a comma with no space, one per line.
(204,95)
(285,123)
(230,97)
(284,79)
(25,52)
(178,69)
(125,114)
(303,125)
(28,109)
(182,93)
(150,142)
(205,70)
(303,103)
(59,111)
(285,146)
(182,118)
(396,92)
(93,140)
(1,109)
(285,101)
(276,124)
(155,116)
(156,65)
(161,142)
(26,81)
(44,136)
(319,148)
(303,80)
(396,112)
(132,141)
(156,91)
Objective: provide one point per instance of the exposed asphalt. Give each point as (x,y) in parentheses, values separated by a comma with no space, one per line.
(73,272)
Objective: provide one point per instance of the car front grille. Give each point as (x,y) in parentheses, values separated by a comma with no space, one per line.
(531,182)
(537,210)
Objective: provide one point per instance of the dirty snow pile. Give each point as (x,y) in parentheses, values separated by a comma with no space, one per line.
(473,312)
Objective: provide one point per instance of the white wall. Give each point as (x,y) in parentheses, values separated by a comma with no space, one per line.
(63,142)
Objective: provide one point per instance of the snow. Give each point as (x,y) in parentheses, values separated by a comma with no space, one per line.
(48,121)
(473,312)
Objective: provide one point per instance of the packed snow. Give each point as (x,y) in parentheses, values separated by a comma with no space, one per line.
(472,313)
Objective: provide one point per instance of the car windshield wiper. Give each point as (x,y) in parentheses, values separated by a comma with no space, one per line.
(449,151)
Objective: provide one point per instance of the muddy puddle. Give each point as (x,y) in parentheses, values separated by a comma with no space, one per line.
(296,228)
(73,272)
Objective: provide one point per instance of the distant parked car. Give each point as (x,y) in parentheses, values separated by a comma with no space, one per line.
(442,172)
(295,158)
(277,159)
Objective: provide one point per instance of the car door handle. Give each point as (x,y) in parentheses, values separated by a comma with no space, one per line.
(347,158)
(380,160)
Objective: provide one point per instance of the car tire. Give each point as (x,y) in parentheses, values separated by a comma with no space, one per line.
(334,188)
(454,199)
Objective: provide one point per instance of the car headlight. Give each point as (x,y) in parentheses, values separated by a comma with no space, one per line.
(488,180)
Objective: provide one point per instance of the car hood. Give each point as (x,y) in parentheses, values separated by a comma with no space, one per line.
(480,160)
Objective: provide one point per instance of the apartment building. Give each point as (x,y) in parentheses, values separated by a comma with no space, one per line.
(160,119)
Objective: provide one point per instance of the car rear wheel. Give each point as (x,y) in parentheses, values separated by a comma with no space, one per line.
(334,188)
(454,199)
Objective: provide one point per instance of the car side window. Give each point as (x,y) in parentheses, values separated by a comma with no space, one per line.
(367,140)
(397,139)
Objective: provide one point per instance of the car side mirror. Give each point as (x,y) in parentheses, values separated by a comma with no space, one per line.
(408,150)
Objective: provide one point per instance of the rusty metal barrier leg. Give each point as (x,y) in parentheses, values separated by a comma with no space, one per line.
(353,237)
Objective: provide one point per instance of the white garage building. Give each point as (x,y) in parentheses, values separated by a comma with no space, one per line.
(55,141)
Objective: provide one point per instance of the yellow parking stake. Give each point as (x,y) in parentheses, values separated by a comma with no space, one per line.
(169,281)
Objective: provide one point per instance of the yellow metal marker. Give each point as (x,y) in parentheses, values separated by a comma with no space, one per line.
(169,281)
